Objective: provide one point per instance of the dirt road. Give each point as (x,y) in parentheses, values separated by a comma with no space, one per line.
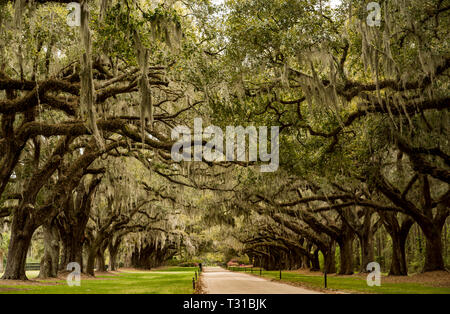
(217,280)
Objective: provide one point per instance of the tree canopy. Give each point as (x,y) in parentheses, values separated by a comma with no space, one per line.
(88,113)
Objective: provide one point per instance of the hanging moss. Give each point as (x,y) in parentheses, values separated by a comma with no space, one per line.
(87,92)
(19,8)
(146,105)
(104,6)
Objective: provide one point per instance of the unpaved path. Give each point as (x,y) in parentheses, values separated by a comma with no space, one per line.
(217,280)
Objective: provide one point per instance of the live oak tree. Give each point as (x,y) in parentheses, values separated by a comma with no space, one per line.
(65,99)
(87,111)
(362,108)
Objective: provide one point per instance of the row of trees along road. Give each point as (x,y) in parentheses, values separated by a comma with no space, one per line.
(365,130)
(87,113)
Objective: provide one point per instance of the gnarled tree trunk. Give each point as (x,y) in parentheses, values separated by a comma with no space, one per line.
(330,260)
(399,234)
(21,233)
(92,255)
(101,261)
(398,264)
(113,249)
(315,261)
(367,250)
(72,225)
(433,250)
(345,242)
(113,265)
(50,260)
(72,251)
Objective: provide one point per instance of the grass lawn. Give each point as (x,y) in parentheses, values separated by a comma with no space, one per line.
(174,280)
(353,283)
